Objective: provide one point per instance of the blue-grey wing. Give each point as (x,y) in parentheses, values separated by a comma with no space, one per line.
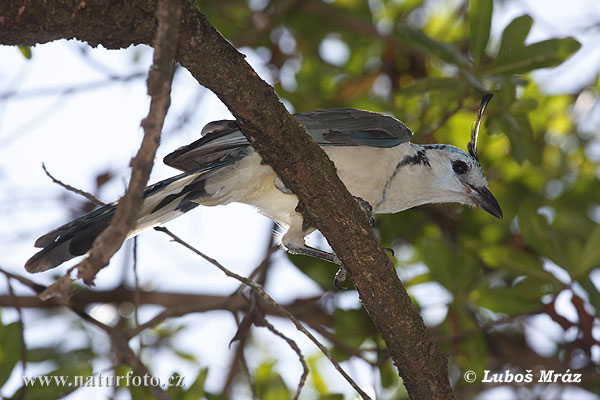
(223,142)
(350,127)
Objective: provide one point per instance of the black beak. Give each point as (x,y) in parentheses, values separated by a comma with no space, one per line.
(485,200)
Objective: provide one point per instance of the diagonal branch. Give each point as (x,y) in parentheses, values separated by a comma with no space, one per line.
(159,88)
(296,349)
(90,197)
(121,345)
(301,164)
(260,291)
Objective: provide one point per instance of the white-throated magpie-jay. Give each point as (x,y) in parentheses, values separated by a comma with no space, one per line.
(372,153)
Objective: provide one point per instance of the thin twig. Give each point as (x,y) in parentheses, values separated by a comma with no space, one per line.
(261,292)
(265,263)
(168,14)
(69,90)
(294,347)
(259,274)
(36,287)
(341,344)
(239,361)
(120,342)
(91,198)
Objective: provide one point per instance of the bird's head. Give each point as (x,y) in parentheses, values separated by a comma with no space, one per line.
(458,174)
(458,177)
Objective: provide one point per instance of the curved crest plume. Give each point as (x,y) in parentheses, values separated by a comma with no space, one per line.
(472,145)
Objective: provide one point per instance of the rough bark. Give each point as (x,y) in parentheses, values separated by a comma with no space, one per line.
(300,163)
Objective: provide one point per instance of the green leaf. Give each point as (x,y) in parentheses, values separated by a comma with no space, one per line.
(548,53)
(422,43)
(320,271)
(472,348)
(523,105)
(481,19)
(186,356)
(319,383)
(539,235)
(507,301)
(269,384)
(332,396)
(592,292)
(195,391)
(26,51)
(388,374)
(516,262)
(590,255)
(421,86)
(352,327)
(10,349)
(440,261)
(456,269)
(514,35)
(520,134)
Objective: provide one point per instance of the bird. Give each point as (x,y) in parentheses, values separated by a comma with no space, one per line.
(373,155)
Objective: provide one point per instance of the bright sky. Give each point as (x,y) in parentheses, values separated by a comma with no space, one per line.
(80,135)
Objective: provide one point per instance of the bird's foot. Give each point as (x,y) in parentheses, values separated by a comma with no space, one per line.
(367,208)
(341,277)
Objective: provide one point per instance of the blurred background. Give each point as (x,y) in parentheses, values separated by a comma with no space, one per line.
(521,294)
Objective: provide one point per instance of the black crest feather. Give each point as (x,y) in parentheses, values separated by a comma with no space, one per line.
(472,145)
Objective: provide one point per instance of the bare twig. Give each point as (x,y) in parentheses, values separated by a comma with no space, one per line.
(294,347)
(69,90)
(36,287)
(341,344)
(261,292)
(91,198)
(159,87)
(259,273)
(120,342)
(239,359)
(283,144)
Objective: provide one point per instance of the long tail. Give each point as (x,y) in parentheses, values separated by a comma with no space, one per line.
(163,202)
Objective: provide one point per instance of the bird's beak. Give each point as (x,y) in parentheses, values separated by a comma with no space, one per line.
(485,200)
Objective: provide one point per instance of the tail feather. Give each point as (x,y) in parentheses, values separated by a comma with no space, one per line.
(163,201)
(70,240)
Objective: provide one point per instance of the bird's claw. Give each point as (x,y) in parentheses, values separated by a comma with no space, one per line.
(367,208)
(340,277)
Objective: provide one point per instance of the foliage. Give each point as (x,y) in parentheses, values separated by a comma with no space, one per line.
(429,69)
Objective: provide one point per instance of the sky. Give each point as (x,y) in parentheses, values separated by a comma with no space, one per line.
(80,134)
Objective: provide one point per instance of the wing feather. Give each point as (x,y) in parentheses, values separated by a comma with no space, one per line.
(223,141)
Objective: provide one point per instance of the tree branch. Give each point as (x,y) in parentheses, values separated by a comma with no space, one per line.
(260,291)
(300,163)
(176,304)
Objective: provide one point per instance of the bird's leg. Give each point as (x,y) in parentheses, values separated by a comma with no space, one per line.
(313,252)
(367,209)
(340,275)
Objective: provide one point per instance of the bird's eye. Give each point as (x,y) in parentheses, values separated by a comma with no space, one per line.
(459,167)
